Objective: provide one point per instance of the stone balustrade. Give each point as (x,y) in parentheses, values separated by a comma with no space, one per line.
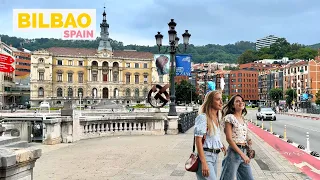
(121,125)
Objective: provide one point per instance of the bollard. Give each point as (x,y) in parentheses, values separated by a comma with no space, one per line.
(251,120)
(285,132)
(271,127)
(262,124)
(256,122)
(308,143)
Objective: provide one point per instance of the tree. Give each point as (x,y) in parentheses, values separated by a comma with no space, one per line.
(276,94)
(247,57)
(290,96)
(318,98)
(184,90)
(280,48)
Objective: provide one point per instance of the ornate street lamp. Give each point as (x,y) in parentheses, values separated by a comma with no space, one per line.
(173,44)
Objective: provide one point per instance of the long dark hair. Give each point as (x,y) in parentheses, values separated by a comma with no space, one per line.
(229,109)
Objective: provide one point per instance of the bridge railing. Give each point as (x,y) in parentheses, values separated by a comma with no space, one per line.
(121,125)
(186,121)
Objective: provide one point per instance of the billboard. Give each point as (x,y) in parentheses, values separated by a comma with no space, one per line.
(162,63)
(183,65)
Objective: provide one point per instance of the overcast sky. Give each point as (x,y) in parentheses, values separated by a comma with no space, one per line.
(208,21)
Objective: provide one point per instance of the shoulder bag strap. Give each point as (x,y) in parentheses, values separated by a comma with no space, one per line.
(194,141)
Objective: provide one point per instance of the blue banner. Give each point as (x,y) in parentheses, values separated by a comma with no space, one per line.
(183,65)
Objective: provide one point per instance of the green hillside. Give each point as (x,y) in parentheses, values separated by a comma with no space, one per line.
(206,53)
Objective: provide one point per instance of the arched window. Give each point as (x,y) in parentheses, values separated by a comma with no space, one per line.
(41,92)
(136,92)
(59,92)
(70,92)
(128,92)
(94,92)
(145,92)
(80,90)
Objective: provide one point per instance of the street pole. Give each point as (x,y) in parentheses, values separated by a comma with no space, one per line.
(173,43)
(172,105)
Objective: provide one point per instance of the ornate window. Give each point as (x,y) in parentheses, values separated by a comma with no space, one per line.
(136,92)
(128,92)
(70,92)
(80,90)
(59,92)
(41,92)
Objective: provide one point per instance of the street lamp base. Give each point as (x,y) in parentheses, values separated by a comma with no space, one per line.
(172,110)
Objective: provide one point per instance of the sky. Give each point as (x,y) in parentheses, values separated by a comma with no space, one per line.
(208,21)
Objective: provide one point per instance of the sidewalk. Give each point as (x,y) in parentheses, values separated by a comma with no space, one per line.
(145,158)
(303,115)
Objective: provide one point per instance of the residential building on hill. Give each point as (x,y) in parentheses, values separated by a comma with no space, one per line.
(266,41)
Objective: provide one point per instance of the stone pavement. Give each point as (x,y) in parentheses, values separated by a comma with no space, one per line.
(144,158)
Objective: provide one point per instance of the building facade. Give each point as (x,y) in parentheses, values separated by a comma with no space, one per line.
(7,80)
(266,41)
(23,62)
(66,74)
(244,82)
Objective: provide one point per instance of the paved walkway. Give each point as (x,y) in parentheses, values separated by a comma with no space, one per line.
(144,158)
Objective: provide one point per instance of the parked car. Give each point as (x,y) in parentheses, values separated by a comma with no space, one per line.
(266,113)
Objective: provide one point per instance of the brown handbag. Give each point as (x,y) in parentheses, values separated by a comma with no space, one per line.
(192,163)
(250,152)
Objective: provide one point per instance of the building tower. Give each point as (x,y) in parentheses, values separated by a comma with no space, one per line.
(104,43)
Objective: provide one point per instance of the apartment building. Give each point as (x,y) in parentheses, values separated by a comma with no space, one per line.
(266,41)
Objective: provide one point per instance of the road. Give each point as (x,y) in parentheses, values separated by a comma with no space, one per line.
(296,129)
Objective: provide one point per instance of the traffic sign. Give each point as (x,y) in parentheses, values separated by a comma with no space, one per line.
(6,59)
(6,68)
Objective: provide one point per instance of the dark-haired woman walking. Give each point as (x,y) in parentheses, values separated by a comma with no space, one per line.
(236,163)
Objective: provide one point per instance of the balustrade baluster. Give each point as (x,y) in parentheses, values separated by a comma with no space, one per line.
(129,126)
(85,129)
(98,127)
(103,127)
(90,128)
(115,127)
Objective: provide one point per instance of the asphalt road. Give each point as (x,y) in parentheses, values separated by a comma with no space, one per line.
(296,129)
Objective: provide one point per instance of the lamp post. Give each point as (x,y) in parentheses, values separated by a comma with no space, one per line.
(80,94)
(173,44)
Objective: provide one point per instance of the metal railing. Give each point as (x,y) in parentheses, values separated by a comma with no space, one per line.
(186,121)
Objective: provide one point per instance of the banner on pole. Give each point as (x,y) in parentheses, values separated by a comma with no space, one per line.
(162,63)
(183,65)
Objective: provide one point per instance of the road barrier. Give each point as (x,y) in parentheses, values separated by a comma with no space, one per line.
(308,143)
(313,153)
(301,147)
(285,132)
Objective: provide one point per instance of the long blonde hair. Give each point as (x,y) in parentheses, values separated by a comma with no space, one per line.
(205,109)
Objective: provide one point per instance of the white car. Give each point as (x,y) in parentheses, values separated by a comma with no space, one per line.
(266,113)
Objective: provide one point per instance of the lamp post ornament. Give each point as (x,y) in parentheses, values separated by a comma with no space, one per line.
(173,44)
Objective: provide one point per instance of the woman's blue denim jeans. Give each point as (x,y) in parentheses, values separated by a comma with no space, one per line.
(211,159)
(234,166)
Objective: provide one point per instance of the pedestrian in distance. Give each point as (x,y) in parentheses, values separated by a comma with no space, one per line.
(236,162)
(207,136)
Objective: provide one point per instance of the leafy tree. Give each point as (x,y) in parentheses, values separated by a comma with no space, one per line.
(247,57)
(290,96)
(184,90)
(276,94)
(318,98)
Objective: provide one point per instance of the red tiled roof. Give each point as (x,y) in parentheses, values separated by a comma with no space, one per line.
(64,51)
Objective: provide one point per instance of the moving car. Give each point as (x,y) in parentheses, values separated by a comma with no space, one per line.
(266,113)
